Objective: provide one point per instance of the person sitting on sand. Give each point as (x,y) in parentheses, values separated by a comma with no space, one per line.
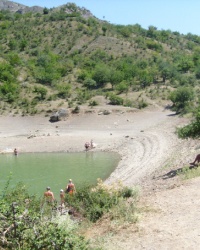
(70,188)
(15,152)
(197,159)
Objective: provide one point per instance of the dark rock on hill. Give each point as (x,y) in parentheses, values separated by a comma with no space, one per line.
(16,7)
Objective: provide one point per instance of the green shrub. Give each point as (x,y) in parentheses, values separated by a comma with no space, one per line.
(90,83)
(127,192)
(76,110)
(128,103)
(93,103)
(181,98)
(142,104)
(192,129)
(187,173)
(122,87)
(115,100)
(94,202)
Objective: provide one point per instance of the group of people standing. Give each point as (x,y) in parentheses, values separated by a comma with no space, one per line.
(49,195)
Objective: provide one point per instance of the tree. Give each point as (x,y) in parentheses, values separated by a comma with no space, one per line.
(45,11)
(185,64)
(101,75)
(192,129)
(90,83)
(181,98)
(115,76)
(122,87)
(152,31)
(167,70)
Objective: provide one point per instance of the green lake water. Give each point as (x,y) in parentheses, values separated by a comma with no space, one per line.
(39,170)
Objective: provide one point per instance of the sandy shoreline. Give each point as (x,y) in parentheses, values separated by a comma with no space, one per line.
(145,140)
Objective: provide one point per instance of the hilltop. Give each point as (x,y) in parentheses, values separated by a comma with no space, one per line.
(18,8)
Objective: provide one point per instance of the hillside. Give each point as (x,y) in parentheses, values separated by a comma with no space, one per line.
(14,7)
(64,57)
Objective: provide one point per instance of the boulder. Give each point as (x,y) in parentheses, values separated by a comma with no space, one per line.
(59,115)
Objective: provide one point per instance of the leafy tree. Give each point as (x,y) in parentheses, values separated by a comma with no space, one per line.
(115,76)
(115,100)
(45,11)
(185,64)
(145,78)
(101,75)
(181,98)
(152,31)
(90,83)
(125,31)
(192,129)
(48,68)
(7,73)
(122,87)
(167,71)
(164,35)
(154,46)
(104,29)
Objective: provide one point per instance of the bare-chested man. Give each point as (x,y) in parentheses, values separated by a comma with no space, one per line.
(48,195)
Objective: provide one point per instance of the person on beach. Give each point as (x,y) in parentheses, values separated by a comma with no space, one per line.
(70,188)
(92,144)
(197,159)
(15,152)
(62,197)
(87,146)
(48,195)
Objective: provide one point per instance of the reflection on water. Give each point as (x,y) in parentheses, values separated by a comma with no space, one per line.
(39,170)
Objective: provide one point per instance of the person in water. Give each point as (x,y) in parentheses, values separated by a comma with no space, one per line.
(70,188)
(15,152)
(197,159)
(48,195)
(62,197)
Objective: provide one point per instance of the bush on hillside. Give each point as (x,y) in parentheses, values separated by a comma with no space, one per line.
(191,130)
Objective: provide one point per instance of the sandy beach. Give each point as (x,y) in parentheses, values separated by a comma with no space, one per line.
(144,139)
